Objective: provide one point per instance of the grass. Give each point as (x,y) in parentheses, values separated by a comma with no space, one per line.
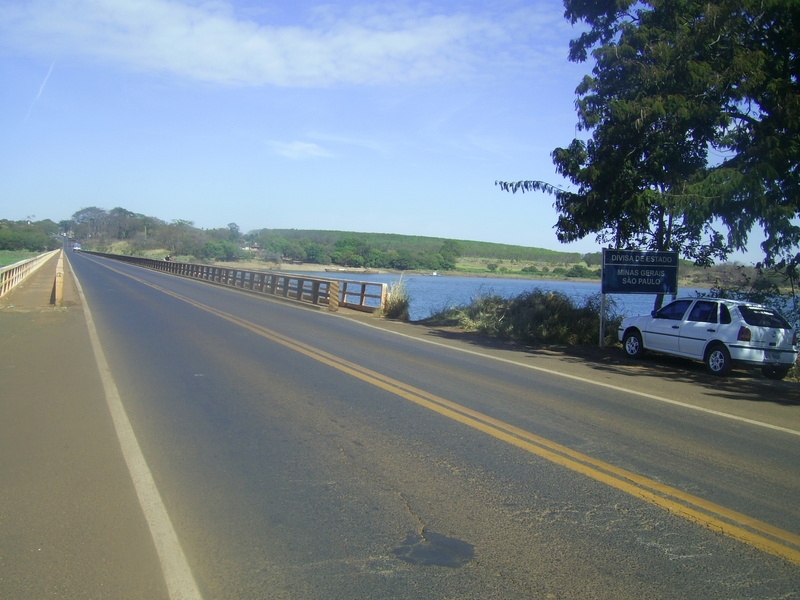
(397,302)
(9,257)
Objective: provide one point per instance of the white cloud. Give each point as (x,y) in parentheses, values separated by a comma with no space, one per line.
(299,150)
(372,145)
(207,41)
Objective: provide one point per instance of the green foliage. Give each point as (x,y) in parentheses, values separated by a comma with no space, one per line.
(352,249)
(181,238)
(582,272)
(536,317)
(39,236)
(317,253)
(593,259)
(223,250)
(9,257)
(450,251)
(692,113)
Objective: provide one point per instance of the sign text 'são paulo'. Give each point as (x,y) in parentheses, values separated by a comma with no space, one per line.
(639,272)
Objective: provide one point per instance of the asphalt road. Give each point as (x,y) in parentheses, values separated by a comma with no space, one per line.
(304,455)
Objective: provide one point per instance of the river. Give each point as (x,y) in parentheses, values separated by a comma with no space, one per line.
(430,294)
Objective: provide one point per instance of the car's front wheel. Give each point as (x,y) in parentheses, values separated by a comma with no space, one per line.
(775,371)
(718,360)
(632,343)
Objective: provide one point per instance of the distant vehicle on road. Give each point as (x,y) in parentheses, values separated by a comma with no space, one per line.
(716,331)
(76,247)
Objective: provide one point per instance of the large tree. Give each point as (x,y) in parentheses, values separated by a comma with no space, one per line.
(692,118)
(90,222)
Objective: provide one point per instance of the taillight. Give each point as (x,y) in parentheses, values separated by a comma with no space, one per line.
(744,334)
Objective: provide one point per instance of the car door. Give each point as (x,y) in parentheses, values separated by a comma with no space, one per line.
(663,331)
(700,326)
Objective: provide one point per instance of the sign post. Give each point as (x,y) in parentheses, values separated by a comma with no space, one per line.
(637,272)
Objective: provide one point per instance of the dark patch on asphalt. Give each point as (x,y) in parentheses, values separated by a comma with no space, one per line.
(435,549)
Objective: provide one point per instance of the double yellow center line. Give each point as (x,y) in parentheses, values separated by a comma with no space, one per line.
(758,534)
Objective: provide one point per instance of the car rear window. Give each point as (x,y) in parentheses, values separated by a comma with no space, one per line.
(763,317)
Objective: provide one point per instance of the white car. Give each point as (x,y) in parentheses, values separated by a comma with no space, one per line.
(717,331)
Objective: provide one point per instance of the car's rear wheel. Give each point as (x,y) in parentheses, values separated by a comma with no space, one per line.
(718,360)
(775,371)
(632,343)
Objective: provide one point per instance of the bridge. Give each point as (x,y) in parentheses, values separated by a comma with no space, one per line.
(163,437)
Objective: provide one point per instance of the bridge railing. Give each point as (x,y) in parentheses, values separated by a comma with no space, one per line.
(359,295)
(12,275)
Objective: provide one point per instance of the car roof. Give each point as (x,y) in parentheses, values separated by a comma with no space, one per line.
(727,301)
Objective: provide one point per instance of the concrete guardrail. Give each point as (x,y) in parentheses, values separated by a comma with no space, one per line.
(12,275)
(359,295)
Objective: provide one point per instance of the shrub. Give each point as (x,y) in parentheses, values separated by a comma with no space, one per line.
(535,317)
(397,301)
(583,272)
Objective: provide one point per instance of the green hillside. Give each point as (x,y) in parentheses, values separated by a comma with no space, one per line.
(391,241)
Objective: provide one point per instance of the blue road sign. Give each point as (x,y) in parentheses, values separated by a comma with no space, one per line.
(639,272)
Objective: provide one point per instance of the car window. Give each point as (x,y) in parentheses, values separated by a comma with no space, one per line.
(704,312)
(674,311)
(763,317)
(724,315)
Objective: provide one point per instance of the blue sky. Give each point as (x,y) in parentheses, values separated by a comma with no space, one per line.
(392,117)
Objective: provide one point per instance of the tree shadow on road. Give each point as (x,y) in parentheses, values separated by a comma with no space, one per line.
(742,384)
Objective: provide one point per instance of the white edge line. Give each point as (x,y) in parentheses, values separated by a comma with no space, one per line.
(609,386)
(180,582)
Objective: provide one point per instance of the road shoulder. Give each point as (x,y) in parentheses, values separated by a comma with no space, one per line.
(71,524)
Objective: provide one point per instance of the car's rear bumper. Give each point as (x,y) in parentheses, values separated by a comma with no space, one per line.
(763,356)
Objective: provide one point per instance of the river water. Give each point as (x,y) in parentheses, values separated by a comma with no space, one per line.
(429,294)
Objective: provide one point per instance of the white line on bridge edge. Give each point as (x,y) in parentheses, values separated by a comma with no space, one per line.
(177,574)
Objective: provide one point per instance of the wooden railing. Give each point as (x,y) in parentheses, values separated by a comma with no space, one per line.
(12,275)
(359,295)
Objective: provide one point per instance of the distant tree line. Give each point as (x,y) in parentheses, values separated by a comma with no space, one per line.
(100,228)
(38,236)
(141,234)
(351,250)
